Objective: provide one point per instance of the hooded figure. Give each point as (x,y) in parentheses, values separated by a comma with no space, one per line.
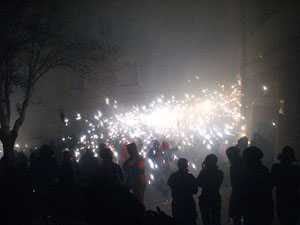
(257,189)
(286,178)
(183,185)
(209,180)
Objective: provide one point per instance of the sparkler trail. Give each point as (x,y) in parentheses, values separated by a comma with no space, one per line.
(203,122)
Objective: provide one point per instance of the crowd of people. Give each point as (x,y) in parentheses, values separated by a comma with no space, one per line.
(251,200)
(96,190)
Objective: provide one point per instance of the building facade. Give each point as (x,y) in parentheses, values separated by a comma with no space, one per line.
(271,67)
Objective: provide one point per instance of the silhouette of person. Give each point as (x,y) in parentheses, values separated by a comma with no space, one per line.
(183,185)
(16,195)
(108,167)
(110,202)
(134,170)
(102,146)
(235,202)
(124,153)
(89,165)
(242,143)
(209,180)
(257,189)
(286,178)
(67,197)
(45,173)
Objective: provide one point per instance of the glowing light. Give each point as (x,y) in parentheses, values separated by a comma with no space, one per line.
(107,101)
(200,121)
(265,88)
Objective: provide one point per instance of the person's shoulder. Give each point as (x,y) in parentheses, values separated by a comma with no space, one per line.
(190,175)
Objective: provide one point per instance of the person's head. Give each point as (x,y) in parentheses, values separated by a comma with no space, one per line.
(210,161)
(287,155)
(89,153)
(132,149)
(182,164)
(106,154)
(32,157)
(233,153)
(243,143)
(102,146)
(252,155)
(46,151)
(21,160)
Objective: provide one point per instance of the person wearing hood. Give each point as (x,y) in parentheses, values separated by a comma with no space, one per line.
(286,179)
(256,183)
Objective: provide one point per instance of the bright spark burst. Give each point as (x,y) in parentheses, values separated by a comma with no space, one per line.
(201,121)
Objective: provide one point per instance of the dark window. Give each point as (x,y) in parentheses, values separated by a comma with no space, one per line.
(105,26)
(76,81)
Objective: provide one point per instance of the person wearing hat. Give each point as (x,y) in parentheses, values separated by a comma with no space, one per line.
(242,143)
(257,201)
(286,179)
(183,185)
(209,180)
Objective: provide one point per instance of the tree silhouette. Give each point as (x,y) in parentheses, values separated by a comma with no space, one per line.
(34,40)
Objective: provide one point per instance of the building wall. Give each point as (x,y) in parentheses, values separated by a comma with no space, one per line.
(273,56)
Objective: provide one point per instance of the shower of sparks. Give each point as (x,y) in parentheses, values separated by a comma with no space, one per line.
(203,122)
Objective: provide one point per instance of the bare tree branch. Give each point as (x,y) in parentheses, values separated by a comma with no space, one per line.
(25,104)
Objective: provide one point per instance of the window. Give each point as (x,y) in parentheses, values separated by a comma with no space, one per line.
(105,26)
(76,81)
